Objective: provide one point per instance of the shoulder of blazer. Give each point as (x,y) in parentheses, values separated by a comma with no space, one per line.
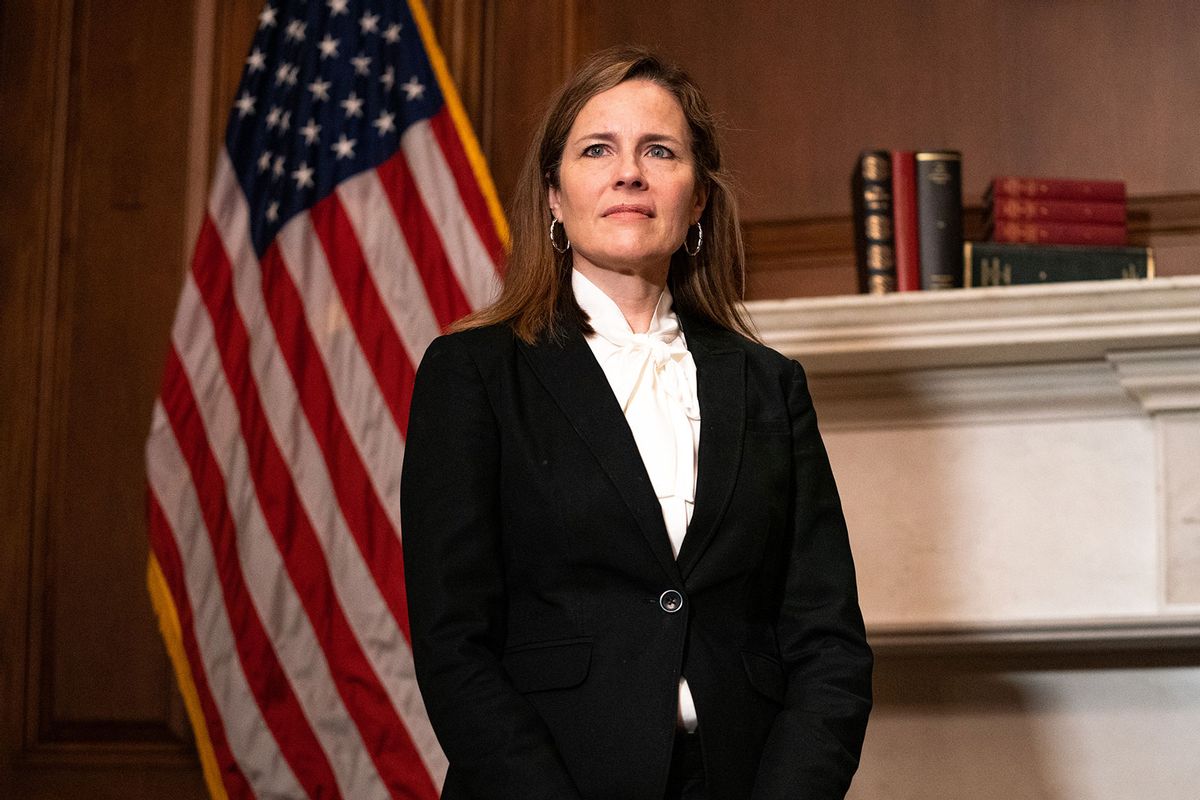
(485,346)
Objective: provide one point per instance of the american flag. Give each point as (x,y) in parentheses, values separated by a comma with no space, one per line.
(351,219)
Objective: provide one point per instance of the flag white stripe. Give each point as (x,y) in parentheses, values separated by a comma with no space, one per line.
(252,746)
(439,192)
(355,389)
(374,626)
(391,263)
(268,583)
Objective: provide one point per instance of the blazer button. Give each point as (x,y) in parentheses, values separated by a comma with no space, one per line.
(670,601)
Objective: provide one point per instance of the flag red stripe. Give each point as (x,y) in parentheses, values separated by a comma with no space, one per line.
(468,188)
(162,542)
(364,513)
(443,294)
(269,683)
(388,743)
(377,337)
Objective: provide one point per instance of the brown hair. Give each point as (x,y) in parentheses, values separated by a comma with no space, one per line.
(537,300)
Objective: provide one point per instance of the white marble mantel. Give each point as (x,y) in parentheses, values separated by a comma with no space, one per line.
(1019,465)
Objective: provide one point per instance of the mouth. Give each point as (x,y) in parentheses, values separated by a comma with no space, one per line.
(628,210)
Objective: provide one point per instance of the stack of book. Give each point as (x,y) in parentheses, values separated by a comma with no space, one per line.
(1044,230)
(1056,211)
(908,220)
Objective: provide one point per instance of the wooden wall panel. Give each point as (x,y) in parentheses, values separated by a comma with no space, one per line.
(119,280)
(535,50)
(97,118)
(31,45)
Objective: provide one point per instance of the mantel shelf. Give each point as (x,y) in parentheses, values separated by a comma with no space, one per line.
(1047,323)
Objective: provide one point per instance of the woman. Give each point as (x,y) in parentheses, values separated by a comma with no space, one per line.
(627,566)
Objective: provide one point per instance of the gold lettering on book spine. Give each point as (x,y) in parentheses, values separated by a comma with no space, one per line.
(876,168)
(876,198)
(880,284)
(993,273)
(879,256)
(879,227)
(939,173)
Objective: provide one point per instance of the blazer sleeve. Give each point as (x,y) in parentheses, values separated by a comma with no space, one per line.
(496,743)
(813,749)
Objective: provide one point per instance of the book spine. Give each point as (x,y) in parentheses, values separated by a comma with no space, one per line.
(1026,210)
(1058,189)
(871,188)
(939,218)
(996,264)
(904,218)
(1058,233)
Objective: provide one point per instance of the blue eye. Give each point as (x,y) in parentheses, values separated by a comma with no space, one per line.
(594,150)
(659,151)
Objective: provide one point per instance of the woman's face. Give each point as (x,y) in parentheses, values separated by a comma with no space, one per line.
(627,182)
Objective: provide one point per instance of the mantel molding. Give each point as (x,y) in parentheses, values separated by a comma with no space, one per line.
(1039,636)
(1161,380)
(1082,321)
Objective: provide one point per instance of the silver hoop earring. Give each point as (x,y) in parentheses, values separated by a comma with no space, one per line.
(699,240)
(554,221)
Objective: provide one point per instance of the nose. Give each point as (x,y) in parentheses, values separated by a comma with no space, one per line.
(629,173)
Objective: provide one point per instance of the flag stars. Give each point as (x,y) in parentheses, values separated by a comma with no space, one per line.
(277,167)
(352,105)
(392,34)
(303,176)
(385,123)
(319,89)
(257,61)
(273,211)
(245,105)
(286,73)
(295,31)
(328,47)
(362,64)
(388,78)
(311,132)
(413,89)
(337,7)
(264,161)
(285,122)
(344,147)
(273,117)
(266,18)
(369,23)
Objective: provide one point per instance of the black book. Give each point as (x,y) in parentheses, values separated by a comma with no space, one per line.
(939,218)
(874,243)
(999,264)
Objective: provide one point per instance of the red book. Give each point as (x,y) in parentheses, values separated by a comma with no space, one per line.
(904,222)
(1058,233)
(1058,189)
(1017,208)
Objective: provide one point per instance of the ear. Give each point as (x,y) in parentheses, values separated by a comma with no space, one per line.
(699,201)
(552,197)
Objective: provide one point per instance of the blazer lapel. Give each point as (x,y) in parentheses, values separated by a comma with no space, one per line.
(578,385)
(721,385)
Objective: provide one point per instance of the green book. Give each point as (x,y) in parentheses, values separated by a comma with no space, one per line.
(999,264)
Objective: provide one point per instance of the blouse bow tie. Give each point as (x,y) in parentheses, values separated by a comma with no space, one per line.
(653,389)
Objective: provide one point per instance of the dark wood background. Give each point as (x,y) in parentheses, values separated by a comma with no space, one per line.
(112,116)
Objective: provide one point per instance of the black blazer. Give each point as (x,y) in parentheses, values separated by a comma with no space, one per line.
(536,561)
